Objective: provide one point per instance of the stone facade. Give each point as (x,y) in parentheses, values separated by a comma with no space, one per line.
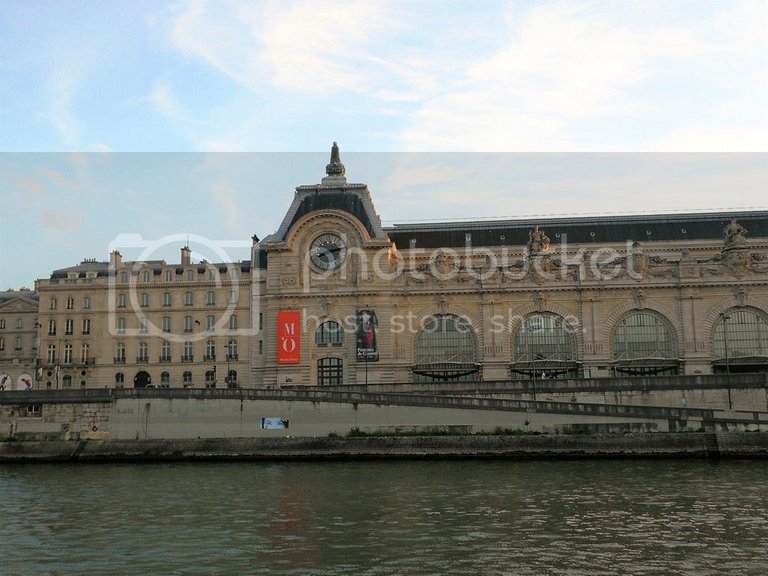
(497,300)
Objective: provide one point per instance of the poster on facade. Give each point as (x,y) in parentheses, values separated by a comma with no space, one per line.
(274,423)
(289,337)
(367,333)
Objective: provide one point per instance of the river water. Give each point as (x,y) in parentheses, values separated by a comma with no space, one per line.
(390,517)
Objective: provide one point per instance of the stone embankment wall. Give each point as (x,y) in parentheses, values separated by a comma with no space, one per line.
(699,445)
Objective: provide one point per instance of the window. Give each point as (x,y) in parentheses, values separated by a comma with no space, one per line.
(231,379)
(86,326)
(68,354)
(84,350)
(145,276)
(330,371)
(188,352)
(2,343)
(446,349)
(210,350)
(121,300)
(34,410)
(87,303)
(187,377)
(143,325)
(124,277)
(166,324)
(144,300)
(51,353)
(66,382)
(190,275)
(165,352)
(210,378)
(2,324)
(169,275)
(261,346)
(233,294)
(210,323)
(120,353)
(544,345)
(143,356)
(329,332)
(121,325)
(261,321)
(119,380)
(233,322)
(53,304)
(188,323)
(167,299)
(165,380)
(212,275)
(643,343)
(51,327)
(188,299)
(69,327)
(70,303)
(17,343)
(211,298)
(19,323)
(232,350)
(740,342)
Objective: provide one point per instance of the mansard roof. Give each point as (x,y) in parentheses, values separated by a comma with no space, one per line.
(578,229)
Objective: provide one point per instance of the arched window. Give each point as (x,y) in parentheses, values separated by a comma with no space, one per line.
(66,381)
(232,379)
(165,380)
(644,343)
(740,342)
(187,378)
(119,380)
(446,349)
(545,347)
(329,332)
(210,378)
(330,371)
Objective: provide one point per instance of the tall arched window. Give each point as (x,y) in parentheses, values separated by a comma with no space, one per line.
(329,332)
(545,347)
(119,380)
(330,371)
(644,343)
(446,349)
(740,342)
(165,380)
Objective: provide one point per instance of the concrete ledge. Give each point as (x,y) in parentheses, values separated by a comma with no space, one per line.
(661,445)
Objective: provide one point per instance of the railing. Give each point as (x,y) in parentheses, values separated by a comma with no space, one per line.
(120,360)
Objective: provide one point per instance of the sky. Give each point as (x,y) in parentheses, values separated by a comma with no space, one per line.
(156,121)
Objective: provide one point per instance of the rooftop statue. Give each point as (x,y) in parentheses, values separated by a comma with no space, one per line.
(335,168)
(537,241)
(734,234)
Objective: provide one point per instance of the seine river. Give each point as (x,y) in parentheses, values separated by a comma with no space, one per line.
(395,517)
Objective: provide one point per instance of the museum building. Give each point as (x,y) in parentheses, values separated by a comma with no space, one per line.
(332,297)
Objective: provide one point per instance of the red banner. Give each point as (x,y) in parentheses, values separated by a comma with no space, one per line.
(289,337)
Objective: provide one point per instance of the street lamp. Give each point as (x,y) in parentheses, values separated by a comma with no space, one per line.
(725,318)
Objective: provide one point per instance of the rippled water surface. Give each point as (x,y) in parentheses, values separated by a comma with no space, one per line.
(434,517)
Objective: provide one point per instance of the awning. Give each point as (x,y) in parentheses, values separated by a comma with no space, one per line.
(446,370)
(741,361)
(646,363)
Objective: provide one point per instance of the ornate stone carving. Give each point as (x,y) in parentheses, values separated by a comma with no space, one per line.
(537,241)
(734,235)
(335,168)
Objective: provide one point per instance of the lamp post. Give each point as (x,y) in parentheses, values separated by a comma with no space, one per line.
(725,318)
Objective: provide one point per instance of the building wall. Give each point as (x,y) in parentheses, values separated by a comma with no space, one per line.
(128,306)
(18,338)
(593,287)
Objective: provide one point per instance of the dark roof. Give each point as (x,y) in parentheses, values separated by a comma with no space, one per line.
(8,295)
(336,200)
(603,229)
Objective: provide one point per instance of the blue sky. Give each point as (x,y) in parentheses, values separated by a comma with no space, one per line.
(200,118)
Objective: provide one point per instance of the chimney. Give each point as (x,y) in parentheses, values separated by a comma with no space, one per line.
(186,256)
(115,260)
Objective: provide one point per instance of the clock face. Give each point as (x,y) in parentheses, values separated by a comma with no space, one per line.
(328,251)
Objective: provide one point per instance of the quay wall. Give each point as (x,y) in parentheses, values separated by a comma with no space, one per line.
(641,445)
